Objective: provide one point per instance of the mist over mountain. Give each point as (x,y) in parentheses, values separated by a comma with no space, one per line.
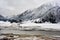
(49,12)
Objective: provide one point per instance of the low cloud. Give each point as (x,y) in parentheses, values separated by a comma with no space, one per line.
(17,6)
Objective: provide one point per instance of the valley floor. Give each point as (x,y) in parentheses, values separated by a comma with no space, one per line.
(24,37)
(48,30)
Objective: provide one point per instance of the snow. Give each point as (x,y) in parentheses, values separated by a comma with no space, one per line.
(15,28)
(42,25)
(2,23)
(29,25)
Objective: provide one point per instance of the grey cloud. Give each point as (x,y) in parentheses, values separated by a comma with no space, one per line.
(14,7)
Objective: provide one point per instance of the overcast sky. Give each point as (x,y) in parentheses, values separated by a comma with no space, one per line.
(13,7)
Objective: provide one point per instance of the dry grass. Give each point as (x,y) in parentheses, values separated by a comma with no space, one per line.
(11,36)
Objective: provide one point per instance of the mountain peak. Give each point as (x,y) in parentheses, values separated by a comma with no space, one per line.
(42,12)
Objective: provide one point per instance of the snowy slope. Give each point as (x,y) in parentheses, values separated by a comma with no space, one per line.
(42,12)
(36,13)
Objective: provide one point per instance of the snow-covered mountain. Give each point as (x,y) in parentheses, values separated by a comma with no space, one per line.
(49,12)
(2,18)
